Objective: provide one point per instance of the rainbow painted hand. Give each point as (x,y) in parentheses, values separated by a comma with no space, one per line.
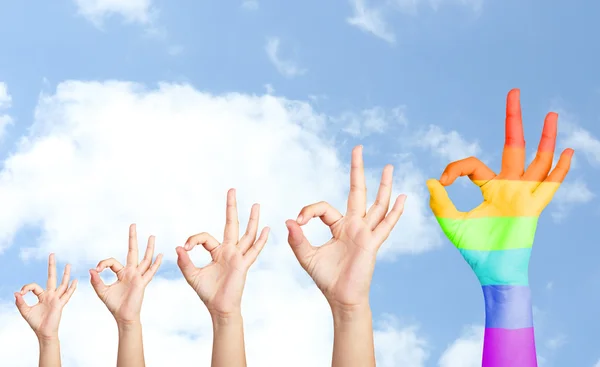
(496,237)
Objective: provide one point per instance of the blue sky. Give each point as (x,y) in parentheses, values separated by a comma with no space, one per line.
(449,66)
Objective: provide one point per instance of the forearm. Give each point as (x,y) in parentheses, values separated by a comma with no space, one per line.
(49,353)
(131,347)
(353,337)
(509,337)
(228,341)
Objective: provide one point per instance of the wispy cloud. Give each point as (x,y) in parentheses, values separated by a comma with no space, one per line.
(287,68)
(370,20)
(132,11)
(175,50)
(569,194)
(369,121)
(583,141)
(5,103)
(557,342)
(450,146)
(250,4)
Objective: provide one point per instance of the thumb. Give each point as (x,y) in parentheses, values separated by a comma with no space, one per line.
(184,262)
(440,202)
(22,306)
(298,242)
(97,283)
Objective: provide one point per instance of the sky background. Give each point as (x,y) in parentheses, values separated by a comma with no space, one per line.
(147,111)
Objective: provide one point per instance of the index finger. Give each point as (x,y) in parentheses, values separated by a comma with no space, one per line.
(357,198)
(132,254)
(513,156)
(51,284)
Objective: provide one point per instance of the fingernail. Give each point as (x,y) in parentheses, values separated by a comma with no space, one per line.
(299,219)
(444,177)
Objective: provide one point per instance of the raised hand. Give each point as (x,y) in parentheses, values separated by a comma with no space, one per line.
(124,297)
(342,268)
(496,237)
(220,284)
(512,202)
(44,316)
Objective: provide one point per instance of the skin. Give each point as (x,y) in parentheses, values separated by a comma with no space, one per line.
(516,192)
(343,267)
(220,284)
(44,317)
(124,297)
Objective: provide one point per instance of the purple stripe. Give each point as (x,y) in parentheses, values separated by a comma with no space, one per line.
(507,306)
(509,348)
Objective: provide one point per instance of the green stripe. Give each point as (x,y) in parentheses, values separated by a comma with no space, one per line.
(490,233)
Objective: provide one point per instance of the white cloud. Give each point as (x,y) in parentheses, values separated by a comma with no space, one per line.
(465,351)
(597,364)
(133,11)
(450,146)
(250,4)
(397,346)
(287,68)
(370,20)
(115,153)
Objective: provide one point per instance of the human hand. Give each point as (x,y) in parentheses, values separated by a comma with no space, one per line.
(124,297)
(44,317)
(342,268)
(496,237)
(220,284)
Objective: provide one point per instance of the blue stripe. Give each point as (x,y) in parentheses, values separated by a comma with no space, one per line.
(500,267)
(507,306)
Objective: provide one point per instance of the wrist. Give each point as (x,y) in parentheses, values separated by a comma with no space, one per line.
(228,319)
(46,340)
(348,314)
(129,325)
(508,306)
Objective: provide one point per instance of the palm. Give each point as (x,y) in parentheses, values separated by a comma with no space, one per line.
(341,268)
(124,298)
(45,316)
(220,284)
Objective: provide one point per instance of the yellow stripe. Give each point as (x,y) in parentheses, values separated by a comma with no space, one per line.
(504,198)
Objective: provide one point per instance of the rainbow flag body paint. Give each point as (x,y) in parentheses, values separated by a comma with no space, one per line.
(496,237)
